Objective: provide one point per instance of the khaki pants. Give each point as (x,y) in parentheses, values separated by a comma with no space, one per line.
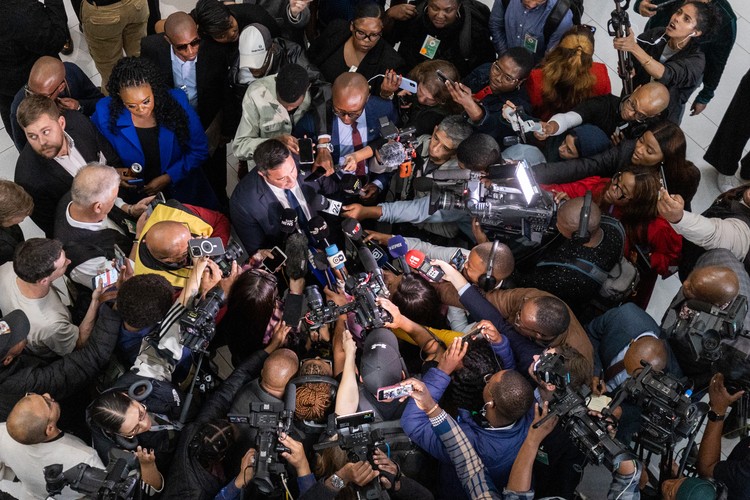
(111,29)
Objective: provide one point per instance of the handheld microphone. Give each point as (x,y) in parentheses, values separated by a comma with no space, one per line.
(288,221)
(321,264)
(353,230)
(336,259)
(319,229)
(296,256)
(322,204)
(398,248)
(418,261)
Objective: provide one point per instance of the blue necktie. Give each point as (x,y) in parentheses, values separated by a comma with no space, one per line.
(294,203)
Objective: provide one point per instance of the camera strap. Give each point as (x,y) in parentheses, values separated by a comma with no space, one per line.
(167,424)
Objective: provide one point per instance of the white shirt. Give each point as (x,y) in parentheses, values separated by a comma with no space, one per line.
(346,147)
(281,196)
(74,161)
(27,462)
(184,76)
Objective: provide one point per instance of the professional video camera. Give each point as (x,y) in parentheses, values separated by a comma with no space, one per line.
(706,326)
(588,432)
(368,314)
(358,437)
(513,203)
(198,323)
(667,413)
(270,420)
(618,26)
(401,148)
(113,483)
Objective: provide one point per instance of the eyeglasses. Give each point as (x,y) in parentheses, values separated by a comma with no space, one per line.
(539,337)
(486,405)
(618,187)
(183,46)
(631,104)
(505,77)
(351,114)
(142,414)
(361,35)
(28,92)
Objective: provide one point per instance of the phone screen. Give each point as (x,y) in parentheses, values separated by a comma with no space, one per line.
(275,261)
(107,278)
(306,151)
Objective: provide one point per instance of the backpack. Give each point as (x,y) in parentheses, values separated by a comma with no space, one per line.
(618,283)
(558,13)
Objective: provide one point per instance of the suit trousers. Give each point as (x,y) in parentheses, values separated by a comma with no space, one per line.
(726,148)
(111,29)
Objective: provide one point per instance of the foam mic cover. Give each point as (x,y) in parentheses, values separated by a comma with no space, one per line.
(288,220)
(319,202)
(392,154)
(352,228)
(397,246)
(454,174)
(423,184)
(368,260)
(296,256)
(319,228)
(320,261)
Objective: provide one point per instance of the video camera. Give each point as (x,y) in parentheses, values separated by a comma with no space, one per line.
(707,325)
(233,252)
(513,203)
(667,413)
(401,148)
(359,439)
(198,323)
(368,314)
(618,26)
(270,420)
(113,483)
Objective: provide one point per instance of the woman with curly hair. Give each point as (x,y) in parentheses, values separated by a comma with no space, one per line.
(152,125)
(568,75)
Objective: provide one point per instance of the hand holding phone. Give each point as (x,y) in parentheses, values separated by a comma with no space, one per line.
(443,78)
(397,391)
(273,263)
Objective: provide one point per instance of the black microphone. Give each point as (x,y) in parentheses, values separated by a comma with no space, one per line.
(289,221)
(320,262)
(322,204)
(319,229)
(353,230)
(296,256)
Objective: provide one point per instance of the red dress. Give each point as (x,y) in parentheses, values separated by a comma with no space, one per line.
(602,86)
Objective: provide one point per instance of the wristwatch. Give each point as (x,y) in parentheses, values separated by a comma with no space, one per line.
(326,145)
(715,417)
(337,482)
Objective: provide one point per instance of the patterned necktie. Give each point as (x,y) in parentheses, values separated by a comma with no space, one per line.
(357,143)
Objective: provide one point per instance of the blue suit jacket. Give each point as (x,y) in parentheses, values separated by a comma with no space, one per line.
(183,166)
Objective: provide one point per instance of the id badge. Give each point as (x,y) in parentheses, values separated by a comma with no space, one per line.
(530,43)
(542,457)
(429,47)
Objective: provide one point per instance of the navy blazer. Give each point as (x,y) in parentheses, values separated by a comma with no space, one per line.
(189,183)
(256,212)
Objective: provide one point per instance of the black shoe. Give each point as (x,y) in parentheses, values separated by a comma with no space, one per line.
(67,48)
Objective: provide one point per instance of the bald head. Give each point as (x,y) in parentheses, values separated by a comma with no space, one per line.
(649,350)
(569,217)
(651,98)
(280,367)
(47,76)
(717,285)
(350,83)
(29,419)
(181,32)
(503,261)
(167,241)
(178,23)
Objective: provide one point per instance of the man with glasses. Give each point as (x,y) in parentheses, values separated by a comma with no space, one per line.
(31,440)
(618,117)
(65,83)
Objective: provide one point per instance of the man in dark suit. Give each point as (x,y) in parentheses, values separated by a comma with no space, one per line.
(258,201)
(201,70)
(64,83)
(59,145)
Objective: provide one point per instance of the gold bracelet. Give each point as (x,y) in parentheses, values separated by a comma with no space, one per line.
(432,409)
(648,62)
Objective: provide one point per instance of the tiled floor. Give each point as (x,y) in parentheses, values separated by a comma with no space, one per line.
(699,129)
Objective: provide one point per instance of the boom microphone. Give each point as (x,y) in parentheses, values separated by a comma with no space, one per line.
(322,204)
(417,260)
(398,248)
(296,256)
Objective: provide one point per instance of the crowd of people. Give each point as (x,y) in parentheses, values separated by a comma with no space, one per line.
(383,345)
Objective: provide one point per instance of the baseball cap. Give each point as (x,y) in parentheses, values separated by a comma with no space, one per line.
(254,42)
(381,360)
(14,327)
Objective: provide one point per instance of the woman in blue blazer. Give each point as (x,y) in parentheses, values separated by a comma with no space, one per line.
(152,125)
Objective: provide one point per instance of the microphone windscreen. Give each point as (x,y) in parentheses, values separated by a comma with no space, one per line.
(368,260)
(319,202)
(352,228)
(453,174)
(414,258)
(423,184)
(392,154)
(288,220)
(296,256)
(397,246)
(318,228)
(320,262)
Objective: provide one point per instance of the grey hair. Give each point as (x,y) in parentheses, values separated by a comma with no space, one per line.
(456,128)
(93,183)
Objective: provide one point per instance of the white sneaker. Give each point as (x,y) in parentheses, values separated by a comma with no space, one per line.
(727,182)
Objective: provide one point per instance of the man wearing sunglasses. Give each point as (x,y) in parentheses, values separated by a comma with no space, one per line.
(64,83)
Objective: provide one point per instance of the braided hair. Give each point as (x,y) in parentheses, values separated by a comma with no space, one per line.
(137,71)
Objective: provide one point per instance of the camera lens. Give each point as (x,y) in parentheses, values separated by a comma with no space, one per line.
(207,246)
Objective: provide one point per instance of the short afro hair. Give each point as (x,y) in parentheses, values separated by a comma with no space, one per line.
(144,300)
(514,397)
(292,82)
(552,315)
(478,152)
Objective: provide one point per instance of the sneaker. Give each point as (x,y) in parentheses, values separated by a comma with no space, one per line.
(727,182)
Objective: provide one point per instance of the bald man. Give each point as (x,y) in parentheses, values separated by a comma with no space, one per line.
(618,117)
(65,83)
(31,440)
(557,271)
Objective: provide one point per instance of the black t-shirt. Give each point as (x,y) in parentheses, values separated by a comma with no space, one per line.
(734,472)
(149,139)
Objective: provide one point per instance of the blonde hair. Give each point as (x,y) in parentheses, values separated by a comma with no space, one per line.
(14,201)
(566,77)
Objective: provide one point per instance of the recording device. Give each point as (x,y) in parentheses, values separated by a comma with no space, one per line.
(662,177)
(273,263)
(367,313)
(661,4)
(233,252)
(158,199)
(270,420)
(418,261)
(288,220)
(408,85)
(198,323)
(444,79)
(322,204)
(398,249)
(210,247)
(513,205)
(120,257)
(707,325)
(106,279)
(667,413)
(618,26)
(458,260)
(336,258)
(401,148)
(306,154)
(297,256)
(397,391)
(112,483)
(550,369)
(521,123)
(370,254)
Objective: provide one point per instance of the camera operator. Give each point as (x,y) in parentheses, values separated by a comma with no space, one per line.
(31,439)
(162,238)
